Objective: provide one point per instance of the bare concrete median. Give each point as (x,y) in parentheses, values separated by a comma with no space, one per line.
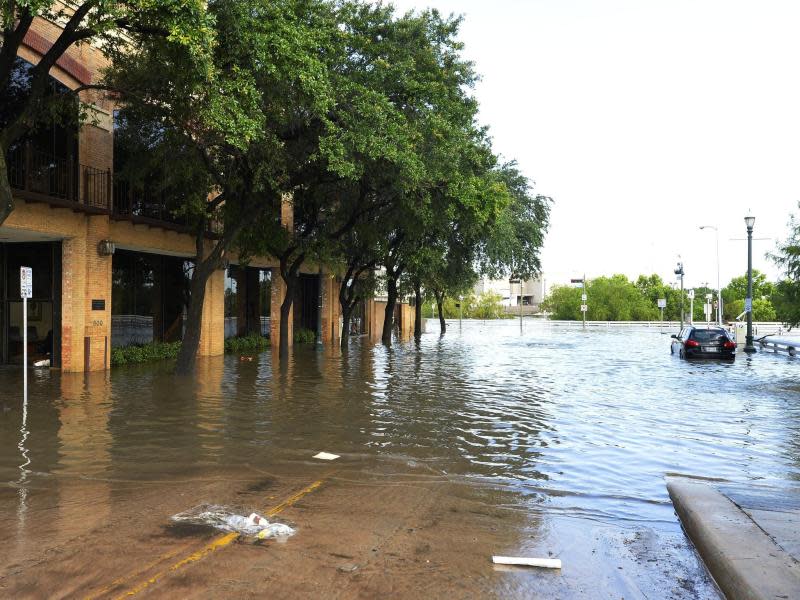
(743,558)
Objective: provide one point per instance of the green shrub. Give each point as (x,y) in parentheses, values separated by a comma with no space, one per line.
(131,355)
(304,336)
(248,343)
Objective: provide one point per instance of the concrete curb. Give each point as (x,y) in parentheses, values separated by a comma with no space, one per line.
(742,558)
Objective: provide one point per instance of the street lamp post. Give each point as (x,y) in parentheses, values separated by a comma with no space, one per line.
(748,340)
(679,273)
(719,289)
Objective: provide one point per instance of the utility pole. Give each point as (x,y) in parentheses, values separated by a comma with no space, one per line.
(719,289)
(679,273)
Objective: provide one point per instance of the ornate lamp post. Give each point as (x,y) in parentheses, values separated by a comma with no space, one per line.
(748,340)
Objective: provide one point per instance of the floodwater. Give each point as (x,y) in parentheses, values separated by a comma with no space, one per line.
(552,441)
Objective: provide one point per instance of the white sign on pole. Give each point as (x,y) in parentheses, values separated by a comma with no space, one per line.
(25,291)
(25,282)
(584,307)
(662,303)
(691,294)
(583,297)
(748,304)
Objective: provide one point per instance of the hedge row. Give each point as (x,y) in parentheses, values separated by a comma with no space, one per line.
(132,355)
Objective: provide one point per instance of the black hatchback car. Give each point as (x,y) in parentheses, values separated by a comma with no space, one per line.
(703,342)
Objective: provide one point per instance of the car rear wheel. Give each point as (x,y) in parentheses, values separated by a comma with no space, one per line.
(681,354)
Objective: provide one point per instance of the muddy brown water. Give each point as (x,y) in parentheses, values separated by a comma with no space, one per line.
(550,442)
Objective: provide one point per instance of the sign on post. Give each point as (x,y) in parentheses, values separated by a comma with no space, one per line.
(584,307)
(662,303)
(25,291)
(748,304)
(25,282)
(583,297)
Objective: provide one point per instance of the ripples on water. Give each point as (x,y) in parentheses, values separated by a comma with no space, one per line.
(581,423)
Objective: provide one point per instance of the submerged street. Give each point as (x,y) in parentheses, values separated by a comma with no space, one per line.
(553,442)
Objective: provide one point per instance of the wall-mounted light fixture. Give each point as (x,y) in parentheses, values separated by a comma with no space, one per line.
(106,248)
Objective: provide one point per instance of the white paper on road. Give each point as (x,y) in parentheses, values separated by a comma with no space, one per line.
(326,456)
(545,563)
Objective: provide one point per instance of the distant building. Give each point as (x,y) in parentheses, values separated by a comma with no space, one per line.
(533,291)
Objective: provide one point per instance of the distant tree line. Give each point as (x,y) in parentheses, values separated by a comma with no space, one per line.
(616,298)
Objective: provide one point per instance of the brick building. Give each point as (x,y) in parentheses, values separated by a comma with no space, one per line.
(70,214)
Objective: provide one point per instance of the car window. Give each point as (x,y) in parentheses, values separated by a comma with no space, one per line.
(709,335)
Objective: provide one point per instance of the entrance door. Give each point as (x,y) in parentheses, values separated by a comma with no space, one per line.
(44,322)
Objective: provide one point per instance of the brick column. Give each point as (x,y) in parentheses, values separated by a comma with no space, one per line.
(212,332)
(331,309)
(86,276)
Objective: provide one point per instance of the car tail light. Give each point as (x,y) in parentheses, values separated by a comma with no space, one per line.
(692,344)
(729,345)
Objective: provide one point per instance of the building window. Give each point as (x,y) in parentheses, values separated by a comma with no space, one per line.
(149,298)
(231,301)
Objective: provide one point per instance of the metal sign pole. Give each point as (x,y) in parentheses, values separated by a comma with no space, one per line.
(25,348)
(26,291)
(583,297)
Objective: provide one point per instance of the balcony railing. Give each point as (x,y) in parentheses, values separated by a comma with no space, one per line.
(144,205)
(63,181)
(43,177)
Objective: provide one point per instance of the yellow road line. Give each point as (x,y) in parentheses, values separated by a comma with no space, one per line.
(292,499)
(117,582)
(214,545)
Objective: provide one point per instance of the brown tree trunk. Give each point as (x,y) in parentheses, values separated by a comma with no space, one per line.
(388,318)
(6,197)
(290,276)
(417,311)
(440,309)
(203,269)
(286,307)
(187,357)
(347,317)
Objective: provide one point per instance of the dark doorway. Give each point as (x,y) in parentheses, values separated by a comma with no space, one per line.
(248,292)
(306,303)
(44,309)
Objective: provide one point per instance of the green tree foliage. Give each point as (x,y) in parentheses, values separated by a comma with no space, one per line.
(515,238)
(616,298)
(232,133)
(563,303)
(481,306)
(786,297)
(734,294)
(114,28)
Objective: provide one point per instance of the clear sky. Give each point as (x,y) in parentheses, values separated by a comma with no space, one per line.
(644,120)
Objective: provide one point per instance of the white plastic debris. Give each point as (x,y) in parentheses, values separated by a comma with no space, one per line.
(545,563)
(42,363)
(326,456)
(275,530)
(225,519)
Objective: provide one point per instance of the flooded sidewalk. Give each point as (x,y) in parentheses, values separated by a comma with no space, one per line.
(553,443)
